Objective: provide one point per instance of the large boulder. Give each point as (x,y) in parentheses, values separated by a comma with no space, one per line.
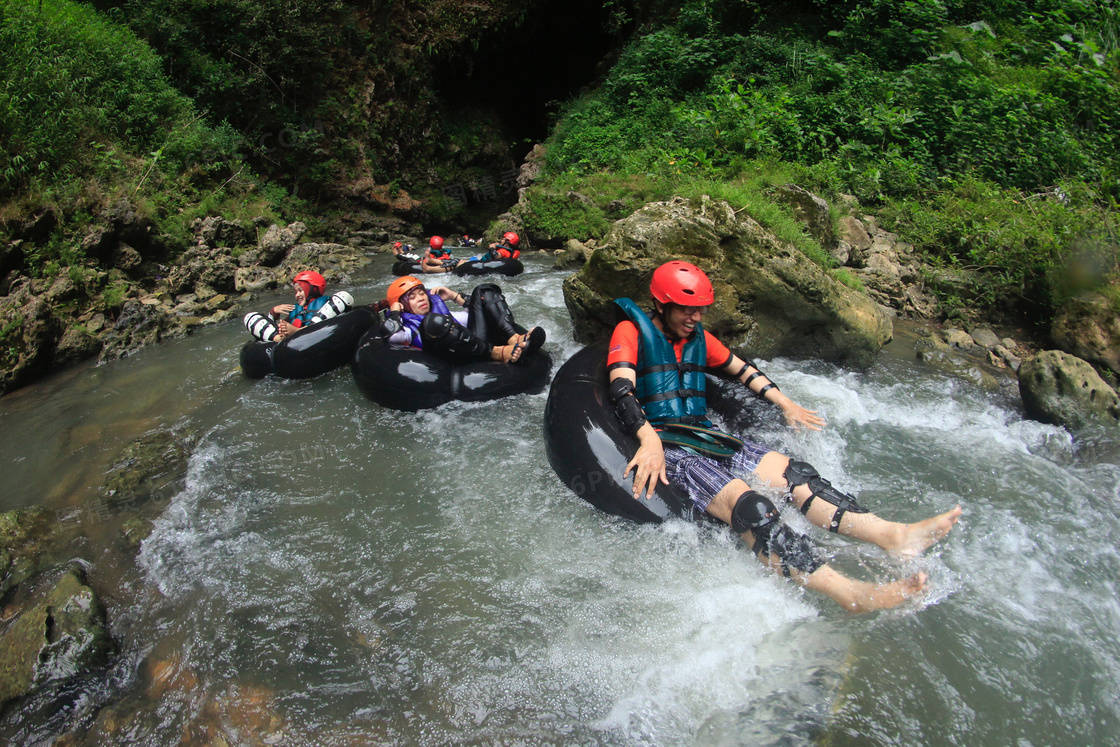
(770,298)
(1089,327)
(1062,389)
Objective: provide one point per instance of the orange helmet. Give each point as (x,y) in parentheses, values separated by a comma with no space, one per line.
(436,242)
(316,283)
(399,287)
(681,283)
(512,238)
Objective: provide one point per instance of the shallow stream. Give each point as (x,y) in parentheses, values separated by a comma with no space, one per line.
(337,573)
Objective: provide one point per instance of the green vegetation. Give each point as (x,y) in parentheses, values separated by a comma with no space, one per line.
(87,118)
(953,117)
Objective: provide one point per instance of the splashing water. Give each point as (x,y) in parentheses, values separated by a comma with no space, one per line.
(339,573)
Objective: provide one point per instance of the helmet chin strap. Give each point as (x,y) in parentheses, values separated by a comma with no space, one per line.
(659,320)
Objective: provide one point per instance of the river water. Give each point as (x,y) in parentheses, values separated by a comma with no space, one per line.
(336,573)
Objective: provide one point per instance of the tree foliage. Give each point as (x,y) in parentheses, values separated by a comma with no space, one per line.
(891,101)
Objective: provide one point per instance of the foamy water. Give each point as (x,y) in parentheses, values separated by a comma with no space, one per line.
(374,577)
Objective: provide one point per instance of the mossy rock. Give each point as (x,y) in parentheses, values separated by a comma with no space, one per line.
(60,634)
(771,299)
(26,536)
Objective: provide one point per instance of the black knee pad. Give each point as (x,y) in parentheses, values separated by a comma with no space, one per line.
(803,473)
(752,511)
(441,334)
(793,550)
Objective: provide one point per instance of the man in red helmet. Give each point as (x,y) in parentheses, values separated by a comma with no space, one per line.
(311,306)
(657,364)
(438,257)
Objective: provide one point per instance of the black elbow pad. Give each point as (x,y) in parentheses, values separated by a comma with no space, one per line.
(630,414)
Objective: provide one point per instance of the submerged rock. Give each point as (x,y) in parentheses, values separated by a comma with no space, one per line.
(59,634)
(26,536)
(770,298)
(153,467)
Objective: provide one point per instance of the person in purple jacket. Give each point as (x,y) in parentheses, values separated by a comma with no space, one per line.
(483,330)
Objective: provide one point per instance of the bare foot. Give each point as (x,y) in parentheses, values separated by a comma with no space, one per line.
(914,538)
(866,597)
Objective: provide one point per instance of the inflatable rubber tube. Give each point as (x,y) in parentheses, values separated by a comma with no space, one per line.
(404,267)
(508,267)
(409,379)
(589,452)
(310,351)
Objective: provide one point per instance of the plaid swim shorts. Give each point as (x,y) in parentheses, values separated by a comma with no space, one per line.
(703,476)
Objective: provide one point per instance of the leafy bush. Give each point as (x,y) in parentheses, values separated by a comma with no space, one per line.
(1033,251)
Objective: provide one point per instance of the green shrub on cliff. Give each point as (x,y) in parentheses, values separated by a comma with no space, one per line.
(909,105)
(84,98)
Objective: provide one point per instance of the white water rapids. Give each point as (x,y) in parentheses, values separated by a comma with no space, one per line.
(336,573)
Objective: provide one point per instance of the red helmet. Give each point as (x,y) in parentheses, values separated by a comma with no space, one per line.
(397,245)
(512,238)
(436,242)
(681,283)
(399,287)
(316,283)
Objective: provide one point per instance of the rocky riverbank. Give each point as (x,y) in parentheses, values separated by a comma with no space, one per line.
(61,627)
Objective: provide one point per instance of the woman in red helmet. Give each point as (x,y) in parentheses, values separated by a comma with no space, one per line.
(657,364)
(311,306)
(485,330)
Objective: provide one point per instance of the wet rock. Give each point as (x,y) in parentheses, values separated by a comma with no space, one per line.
(27,536)
(770,298)
(1006,357)
(59,634)
(1089,327)
(1062,389)
(133,533)
(930,345)
(153,467)
(958,338)
(138,326)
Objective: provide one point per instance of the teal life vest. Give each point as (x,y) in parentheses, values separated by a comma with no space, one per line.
(303,314)
(672,392)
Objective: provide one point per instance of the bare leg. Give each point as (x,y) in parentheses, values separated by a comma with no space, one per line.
(907,540)
(862,596)
(854,596)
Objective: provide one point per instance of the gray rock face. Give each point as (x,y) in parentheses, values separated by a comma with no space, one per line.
(770,299)
(1089,327)
(1059,388)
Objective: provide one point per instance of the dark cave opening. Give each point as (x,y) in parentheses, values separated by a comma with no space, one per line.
(523,74)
